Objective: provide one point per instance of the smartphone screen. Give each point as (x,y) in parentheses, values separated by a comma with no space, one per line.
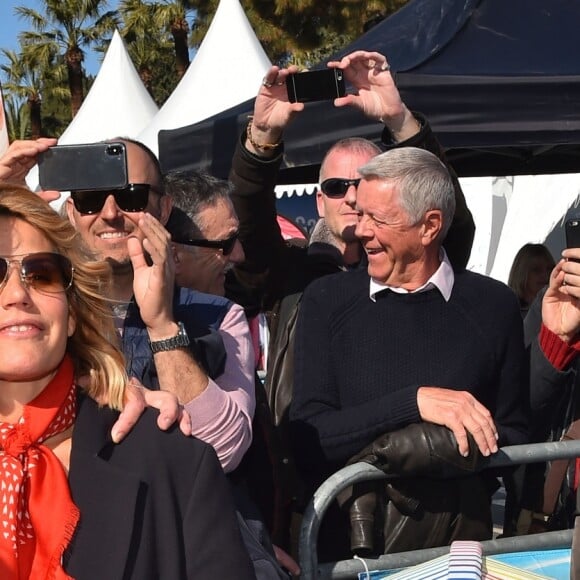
(318,85)
(91,166)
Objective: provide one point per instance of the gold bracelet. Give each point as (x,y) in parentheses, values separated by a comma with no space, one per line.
(265,146)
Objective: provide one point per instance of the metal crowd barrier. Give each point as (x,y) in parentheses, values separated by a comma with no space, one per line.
(327,492)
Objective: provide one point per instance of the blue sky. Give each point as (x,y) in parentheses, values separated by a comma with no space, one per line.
(11,26)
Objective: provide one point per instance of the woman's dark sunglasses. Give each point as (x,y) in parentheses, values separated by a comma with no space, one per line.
(132,198)
(337,186)
(226,246)
(44,271)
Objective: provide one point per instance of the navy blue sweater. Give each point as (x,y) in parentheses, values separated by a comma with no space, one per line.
(359,363)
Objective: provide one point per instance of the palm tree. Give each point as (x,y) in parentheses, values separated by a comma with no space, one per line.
(299,31)
(17,118)
(171,16)
(145,43)
(33,82)
(65,28)
(143,20)
(24,84)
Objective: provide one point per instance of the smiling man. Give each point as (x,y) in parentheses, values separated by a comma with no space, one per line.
(196,344)
(407,341)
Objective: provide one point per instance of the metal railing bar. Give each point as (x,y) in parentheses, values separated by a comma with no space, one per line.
(326,493)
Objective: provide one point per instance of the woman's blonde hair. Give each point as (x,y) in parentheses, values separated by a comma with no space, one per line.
(93,347)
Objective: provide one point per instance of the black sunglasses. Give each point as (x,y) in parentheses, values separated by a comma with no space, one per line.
(44,271)
(132,198)
(226,246)
(337,186)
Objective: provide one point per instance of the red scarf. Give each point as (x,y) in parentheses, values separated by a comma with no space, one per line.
(37,514)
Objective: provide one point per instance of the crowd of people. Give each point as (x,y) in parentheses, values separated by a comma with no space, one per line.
(377,345)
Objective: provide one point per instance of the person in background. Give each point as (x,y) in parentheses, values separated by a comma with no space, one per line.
(408,341)
(553,331)
(75,504)
(530,272)
(204,231)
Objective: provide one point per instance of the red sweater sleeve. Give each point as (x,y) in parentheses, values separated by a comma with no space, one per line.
(558,352)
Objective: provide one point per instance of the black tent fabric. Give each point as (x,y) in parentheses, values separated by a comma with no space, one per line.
(499,80)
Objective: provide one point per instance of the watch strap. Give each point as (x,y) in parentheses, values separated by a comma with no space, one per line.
(181,340)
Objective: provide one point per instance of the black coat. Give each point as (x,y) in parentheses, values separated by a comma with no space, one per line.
(156,506)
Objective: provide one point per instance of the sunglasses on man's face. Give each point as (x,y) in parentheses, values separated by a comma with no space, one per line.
(44,271)
(226,246)
(337,186)
(132,198)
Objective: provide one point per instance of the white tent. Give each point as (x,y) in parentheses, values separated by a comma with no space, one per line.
(535,213)
(118,103)
(226,71)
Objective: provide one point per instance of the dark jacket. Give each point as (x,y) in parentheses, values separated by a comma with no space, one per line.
(155,506)
(420,450)
(550,388)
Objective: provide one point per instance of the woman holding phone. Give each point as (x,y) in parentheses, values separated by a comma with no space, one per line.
(73,503)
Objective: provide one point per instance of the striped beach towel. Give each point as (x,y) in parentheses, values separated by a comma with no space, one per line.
(464,562)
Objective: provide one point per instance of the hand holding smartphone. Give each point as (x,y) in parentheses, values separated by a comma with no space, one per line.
(318,85)
(91,166)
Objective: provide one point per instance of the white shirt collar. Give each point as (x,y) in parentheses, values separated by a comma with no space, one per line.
(442,279)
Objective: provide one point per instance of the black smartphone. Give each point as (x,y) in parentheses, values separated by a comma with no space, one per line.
(90,166)
(316,85)
(572,228)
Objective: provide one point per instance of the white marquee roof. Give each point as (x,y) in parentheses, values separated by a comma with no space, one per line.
(226,71)
(118,103)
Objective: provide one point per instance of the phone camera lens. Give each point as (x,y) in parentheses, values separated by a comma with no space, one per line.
(114,150)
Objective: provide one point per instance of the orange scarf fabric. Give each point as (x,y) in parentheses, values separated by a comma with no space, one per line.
(37,514)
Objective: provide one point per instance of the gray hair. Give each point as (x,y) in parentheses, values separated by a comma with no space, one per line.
(354,145)
(192,192)
(424,183)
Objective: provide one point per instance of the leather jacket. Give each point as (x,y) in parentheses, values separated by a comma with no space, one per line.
(420,450)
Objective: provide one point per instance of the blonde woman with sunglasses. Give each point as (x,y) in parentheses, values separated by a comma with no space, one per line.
(74,504)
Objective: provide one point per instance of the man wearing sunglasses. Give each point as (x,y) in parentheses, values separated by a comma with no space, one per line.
(195,344)
(204,230)
(283,271)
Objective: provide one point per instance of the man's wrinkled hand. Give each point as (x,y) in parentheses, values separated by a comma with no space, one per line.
(460,412)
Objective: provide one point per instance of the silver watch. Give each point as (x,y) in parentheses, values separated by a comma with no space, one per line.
(181,340)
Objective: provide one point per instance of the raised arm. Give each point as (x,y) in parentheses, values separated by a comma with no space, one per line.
(552,328)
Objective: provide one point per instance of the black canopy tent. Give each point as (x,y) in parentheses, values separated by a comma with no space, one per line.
(499,80)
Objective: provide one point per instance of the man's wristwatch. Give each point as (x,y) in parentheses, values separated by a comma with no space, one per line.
(181,340)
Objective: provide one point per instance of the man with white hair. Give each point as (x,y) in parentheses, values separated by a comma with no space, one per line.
(408,341)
